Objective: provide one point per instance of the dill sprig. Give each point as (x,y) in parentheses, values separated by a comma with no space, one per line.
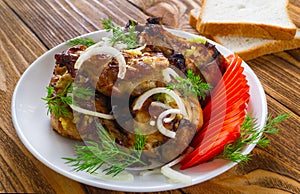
(58,103)
(81,41)
(119,35)
(92,156)
(191,85)
(140,142)
(251,135)
(81,92)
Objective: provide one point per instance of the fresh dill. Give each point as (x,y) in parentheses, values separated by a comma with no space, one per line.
(251,135)
(81,92)
(92,156)
(119,35)
(191,85)
(81,41)
(140,142)
(58,103)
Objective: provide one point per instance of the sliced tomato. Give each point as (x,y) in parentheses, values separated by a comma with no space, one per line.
(232,79)
(206,152)
(219,108)
(233,87)
(223,115)
(216,127)
(229,95)
(232,70)
(227,132)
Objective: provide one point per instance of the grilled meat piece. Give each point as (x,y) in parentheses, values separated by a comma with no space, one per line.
(143,72)
(64,73)
(69,57)
(203,59)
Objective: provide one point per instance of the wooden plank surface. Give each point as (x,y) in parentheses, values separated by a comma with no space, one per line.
(31,27)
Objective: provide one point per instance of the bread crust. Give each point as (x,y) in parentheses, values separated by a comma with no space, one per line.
(194,13)
(268,47)
(271,46)
(254,30)
(247,30)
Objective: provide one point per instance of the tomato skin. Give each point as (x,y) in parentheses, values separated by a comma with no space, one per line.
(225,111)
(223,115)
(234,104)
(228,94)
(214,129)
(199,156)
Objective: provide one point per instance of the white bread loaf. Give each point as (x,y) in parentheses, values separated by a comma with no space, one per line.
(250,48)
(250,18)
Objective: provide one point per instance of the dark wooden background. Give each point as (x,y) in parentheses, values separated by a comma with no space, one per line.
(31,27)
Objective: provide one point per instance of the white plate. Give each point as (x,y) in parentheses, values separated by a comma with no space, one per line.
(33,127)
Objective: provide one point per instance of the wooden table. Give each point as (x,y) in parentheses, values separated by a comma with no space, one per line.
(31,27)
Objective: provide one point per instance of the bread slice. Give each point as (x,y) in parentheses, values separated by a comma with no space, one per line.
(250,18)
(250,48)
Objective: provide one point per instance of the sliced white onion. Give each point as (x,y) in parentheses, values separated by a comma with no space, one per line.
(120,46)
(91,113)
(174,175)
(164,106)
(150,172)
(137,51)
(176,161)
(140,101)
(152,123)
(160,104)
(104,50)
(160,125)
(104,42)
(168,72)
(170,119)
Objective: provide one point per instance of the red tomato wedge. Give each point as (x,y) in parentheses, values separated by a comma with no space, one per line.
(232,104)
(212,131)
(208,151)
(222,116)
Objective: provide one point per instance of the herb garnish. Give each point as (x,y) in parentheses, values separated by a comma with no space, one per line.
(201,40)
(81,92)
(250,135)
(93,156)
(81,41)
(58,103)
(191,85)
(119,35)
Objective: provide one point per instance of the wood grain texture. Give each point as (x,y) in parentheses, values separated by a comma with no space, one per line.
(31,27)
(175,13)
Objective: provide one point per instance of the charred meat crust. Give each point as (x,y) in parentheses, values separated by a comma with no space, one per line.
(165,50)
(204,60)
(69,57)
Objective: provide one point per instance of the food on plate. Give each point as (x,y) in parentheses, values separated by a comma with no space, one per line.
(248,47)
(151,68)
(223,116)
(267,19)
(143,97)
